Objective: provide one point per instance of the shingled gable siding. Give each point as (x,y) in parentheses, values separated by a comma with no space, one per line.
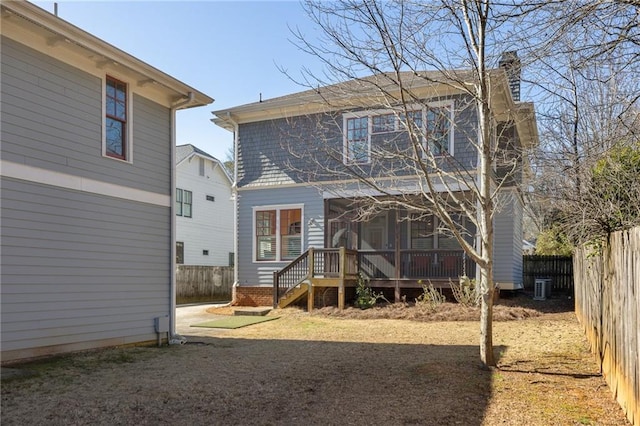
(286,151)
(79,269)
(254,273)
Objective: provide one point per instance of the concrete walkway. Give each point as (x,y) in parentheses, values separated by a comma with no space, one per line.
(186,315)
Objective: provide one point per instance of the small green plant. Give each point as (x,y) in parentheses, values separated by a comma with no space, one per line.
(365,296)
(466,292)
(430,298)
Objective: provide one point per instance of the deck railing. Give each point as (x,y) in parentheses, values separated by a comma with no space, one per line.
(373,264)
(315,263)
(415,264)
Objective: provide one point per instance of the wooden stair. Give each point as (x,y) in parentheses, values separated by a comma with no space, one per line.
(293,295)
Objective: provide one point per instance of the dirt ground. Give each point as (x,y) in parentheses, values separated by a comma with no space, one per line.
(333,368)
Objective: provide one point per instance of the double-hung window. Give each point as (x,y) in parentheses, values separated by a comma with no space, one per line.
(184,202)
(116,119)
(433,122)
(277,233)
(356,141)
(438,129)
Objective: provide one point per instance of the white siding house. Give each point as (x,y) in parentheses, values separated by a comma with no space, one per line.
(87,189)
(204,209)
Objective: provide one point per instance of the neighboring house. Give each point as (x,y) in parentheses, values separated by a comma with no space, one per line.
(528,247)
(87,175)
(204,209)
(296,196)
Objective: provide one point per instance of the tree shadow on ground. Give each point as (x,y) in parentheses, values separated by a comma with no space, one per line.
(275,382)
(555,303)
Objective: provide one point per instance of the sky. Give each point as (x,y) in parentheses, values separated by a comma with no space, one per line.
(232,51)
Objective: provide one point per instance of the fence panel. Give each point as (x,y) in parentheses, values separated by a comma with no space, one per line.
(558,268)
(608,307)
(203,284)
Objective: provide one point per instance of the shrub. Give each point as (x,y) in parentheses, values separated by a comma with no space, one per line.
(466,292)
(430,298)
(365,296)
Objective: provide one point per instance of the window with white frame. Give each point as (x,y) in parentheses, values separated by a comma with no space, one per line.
(116,119)
(277,233)
(438,128)
(383,123)
(433,121)
(184,202)
(356,140)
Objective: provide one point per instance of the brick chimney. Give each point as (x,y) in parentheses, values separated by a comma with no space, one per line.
(510,62)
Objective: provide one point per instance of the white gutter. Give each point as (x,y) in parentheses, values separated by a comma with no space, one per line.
(173,337)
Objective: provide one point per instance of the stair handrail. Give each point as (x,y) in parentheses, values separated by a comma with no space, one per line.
(279,289)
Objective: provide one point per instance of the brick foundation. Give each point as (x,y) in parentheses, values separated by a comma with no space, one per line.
(252,296)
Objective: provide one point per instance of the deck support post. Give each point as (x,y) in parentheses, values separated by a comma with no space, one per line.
(276,295)
(343,267)
(310,296)
(311,290)
(398,262)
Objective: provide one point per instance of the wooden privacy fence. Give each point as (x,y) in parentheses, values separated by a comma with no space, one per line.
(558,268)
(203,284)
(608,307)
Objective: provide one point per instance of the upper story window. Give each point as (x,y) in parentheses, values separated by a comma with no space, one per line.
(438,129)
(278,233)
(184,202)
(357,142)
(116,119)
(433,122)
(383,123)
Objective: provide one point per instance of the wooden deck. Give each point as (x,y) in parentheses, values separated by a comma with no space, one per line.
(341,268)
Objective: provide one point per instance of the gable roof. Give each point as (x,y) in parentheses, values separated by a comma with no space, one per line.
(184,152)
(383,89)
(33,21)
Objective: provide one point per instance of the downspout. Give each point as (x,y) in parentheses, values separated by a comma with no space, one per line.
(174,338)
(234,191)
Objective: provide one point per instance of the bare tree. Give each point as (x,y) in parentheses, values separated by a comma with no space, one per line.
(400,55)
(587,62)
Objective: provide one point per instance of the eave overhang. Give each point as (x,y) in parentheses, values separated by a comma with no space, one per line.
(20,17)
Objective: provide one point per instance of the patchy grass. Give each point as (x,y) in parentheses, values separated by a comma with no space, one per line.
(333,368)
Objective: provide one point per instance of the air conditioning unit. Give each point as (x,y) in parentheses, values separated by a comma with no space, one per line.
(542,289)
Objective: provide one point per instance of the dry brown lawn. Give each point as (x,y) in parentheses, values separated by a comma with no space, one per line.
(393,365)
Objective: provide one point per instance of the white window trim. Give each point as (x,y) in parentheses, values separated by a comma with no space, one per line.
(277,207)
(439,104)
(128,157)
(450,103)
(345,144)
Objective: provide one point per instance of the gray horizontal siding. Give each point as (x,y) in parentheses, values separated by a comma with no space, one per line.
(517,237)
(52,119)
(261,273)
(505,238)
(78,267)
(309,148)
